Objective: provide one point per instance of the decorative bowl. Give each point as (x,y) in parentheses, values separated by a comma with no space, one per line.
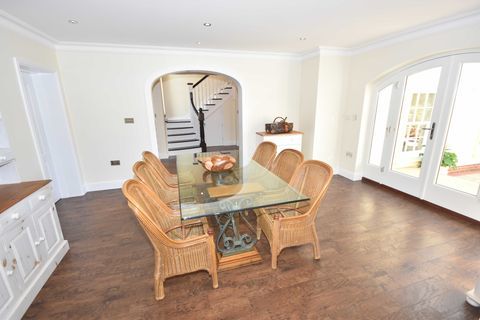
(217,163)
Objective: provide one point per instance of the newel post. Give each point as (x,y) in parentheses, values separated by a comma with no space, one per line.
(201,119)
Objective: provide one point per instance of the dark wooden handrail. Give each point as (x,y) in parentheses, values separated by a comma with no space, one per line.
(200,81)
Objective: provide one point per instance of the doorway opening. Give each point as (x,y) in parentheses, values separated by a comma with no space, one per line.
(181,100)
(425,138)
(46,114)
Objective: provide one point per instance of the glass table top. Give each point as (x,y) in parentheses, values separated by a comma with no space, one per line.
(204,193)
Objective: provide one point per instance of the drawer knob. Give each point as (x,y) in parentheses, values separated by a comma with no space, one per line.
(16,216)
(42,197)
(37,243)
(9,273)
(41,239)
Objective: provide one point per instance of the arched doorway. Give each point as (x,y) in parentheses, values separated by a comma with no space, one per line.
(180,99)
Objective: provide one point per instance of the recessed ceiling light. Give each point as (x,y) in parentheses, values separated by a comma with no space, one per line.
(73,21)
(199,43)
(302,38)
(207,24)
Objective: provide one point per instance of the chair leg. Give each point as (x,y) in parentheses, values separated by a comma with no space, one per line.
(316,244)
(259,230)
(274,260)
(158,280)
(159,290)
(214,279)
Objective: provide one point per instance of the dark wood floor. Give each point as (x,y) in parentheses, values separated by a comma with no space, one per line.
(384,256)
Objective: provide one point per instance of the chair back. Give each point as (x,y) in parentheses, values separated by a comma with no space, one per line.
(149,211)
(150,177)
(285,163)
(312,179)
(163,172)
(265,153)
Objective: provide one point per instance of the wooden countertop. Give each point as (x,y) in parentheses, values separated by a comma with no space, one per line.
(11,194)
(263,133)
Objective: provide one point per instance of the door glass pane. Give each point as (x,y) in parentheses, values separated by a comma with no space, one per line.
(381,117)
(415,117)
(460,165)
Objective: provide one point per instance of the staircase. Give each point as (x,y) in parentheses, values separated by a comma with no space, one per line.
(209,94)
(182,137)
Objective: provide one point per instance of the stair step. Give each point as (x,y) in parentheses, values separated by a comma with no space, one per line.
(183,148)
(182,141)
(217,98)
(209,104)
(180,134)
(228,88)
(223,93)
(178,128)
(177,121)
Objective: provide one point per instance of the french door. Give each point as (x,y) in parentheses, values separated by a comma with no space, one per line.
(424,135)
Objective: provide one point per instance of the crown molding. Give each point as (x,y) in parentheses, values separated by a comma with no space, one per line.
(18,25)
(25,29)
(419,31)
(146,49)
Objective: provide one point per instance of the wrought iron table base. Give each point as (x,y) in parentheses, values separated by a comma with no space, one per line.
(229,239)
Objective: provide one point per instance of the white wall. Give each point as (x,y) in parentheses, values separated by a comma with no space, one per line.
(308,102)
(367,67)
(159,111)
(177,98)
(330,103)
(104,86)
(17,44)
(221,122)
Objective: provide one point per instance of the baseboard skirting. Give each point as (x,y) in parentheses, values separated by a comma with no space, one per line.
(354,176)
(104,185)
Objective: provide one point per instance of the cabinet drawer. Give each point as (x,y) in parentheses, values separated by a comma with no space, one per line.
(13,216)
(41,197)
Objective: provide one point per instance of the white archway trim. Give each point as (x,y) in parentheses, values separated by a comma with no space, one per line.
(192,68)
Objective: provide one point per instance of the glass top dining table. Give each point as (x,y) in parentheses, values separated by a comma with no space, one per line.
(203,193)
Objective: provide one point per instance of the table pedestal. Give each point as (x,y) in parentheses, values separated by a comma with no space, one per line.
(235,247)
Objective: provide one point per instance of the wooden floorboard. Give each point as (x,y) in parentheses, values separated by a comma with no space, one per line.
(384,256)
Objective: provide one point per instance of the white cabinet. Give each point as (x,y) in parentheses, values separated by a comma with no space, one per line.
(292,140)
(31,246)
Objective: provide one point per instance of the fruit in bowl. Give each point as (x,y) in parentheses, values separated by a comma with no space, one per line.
(218,163)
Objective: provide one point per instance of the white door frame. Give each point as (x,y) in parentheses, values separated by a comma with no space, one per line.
(56,133)
(424,187)
(450,198)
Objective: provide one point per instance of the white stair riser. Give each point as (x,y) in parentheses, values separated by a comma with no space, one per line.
(176,138)
(178,124)
(184,144)
(176,131)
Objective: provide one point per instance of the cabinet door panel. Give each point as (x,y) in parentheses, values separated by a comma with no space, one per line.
(20,242)
(6,294)
(48,229)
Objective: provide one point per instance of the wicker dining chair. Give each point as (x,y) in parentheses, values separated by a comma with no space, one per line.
(178,248)
(148,175)
(265,153)
(294,225)
(285,163)
(169,178)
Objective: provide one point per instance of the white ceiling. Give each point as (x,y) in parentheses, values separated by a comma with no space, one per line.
(256,25)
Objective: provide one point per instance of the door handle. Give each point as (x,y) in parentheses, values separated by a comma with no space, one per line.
(432,130)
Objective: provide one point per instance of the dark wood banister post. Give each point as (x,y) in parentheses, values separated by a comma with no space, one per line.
(200,114)
(201,119)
